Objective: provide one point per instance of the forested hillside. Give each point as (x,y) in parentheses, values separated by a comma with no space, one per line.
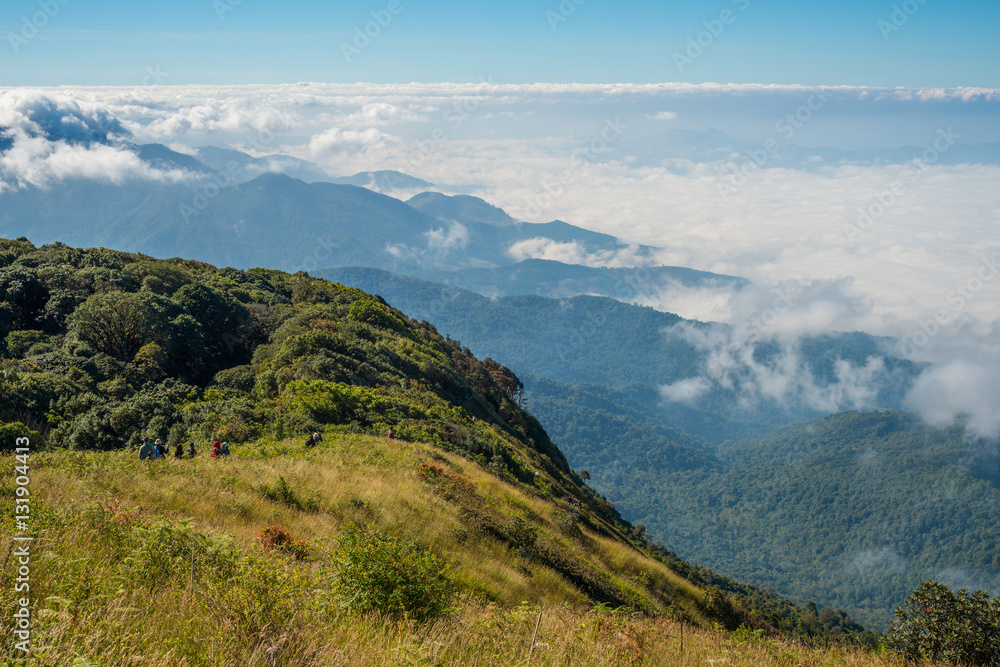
(423,445)
(606,429)
(633,349)
(853,510)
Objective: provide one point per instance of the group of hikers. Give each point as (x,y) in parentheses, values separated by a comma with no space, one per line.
(157,450)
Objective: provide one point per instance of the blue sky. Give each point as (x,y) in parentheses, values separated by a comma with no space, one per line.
(120,42)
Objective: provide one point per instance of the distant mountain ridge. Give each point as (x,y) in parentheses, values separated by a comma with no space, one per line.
(712,145)
(550,278)
(222,216)
(459,208)
(277,210)
(627,348)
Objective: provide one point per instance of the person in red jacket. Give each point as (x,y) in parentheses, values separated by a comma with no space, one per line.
(216,449)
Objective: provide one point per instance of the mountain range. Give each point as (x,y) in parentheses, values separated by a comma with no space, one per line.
(627,391)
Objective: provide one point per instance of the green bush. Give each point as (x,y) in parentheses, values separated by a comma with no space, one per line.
(9,433)
(19,342)
(376,573)
(940,625)
(239,378)
(282,492)
(374,313)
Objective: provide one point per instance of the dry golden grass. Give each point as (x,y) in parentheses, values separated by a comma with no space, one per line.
(89,603)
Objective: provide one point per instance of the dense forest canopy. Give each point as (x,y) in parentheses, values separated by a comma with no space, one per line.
(853,510)
(104,348)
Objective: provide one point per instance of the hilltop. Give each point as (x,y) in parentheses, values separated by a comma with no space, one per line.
(103,348)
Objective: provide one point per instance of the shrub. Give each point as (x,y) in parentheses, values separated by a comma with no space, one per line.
(282,492)
(274,538)
(568,522)
(19,342)
(9,433)
(259,602)
(377,573)
(940,625)
(448,486)
(374,313)
(720,609)
(240,378)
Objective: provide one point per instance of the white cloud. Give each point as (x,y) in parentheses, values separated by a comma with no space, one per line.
(761,359)
(572,252)
(379,114)
(54,137)
(961,389)
(662,115)
(440,242)
(686,391)
(336,148)
(54,117)
(784,225)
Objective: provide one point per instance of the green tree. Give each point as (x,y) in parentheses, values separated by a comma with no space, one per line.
(376,314)
(120,323)
(226,324)
(941,625)
(9,433)
(19,342)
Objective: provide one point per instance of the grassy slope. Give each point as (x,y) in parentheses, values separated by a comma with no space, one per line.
(355,479)
(115,587)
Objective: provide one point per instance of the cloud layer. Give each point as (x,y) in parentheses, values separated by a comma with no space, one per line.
(48,138)
(902,242)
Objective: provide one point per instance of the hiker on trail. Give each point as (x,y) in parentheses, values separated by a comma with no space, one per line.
(216,449)
(225,449)
(161,451)
(146,451)
(310,440)
(192,452)
(390,434)
(317,438)
(179,451)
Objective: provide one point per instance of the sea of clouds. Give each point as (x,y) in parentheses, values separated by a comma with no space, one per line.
(889,232)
